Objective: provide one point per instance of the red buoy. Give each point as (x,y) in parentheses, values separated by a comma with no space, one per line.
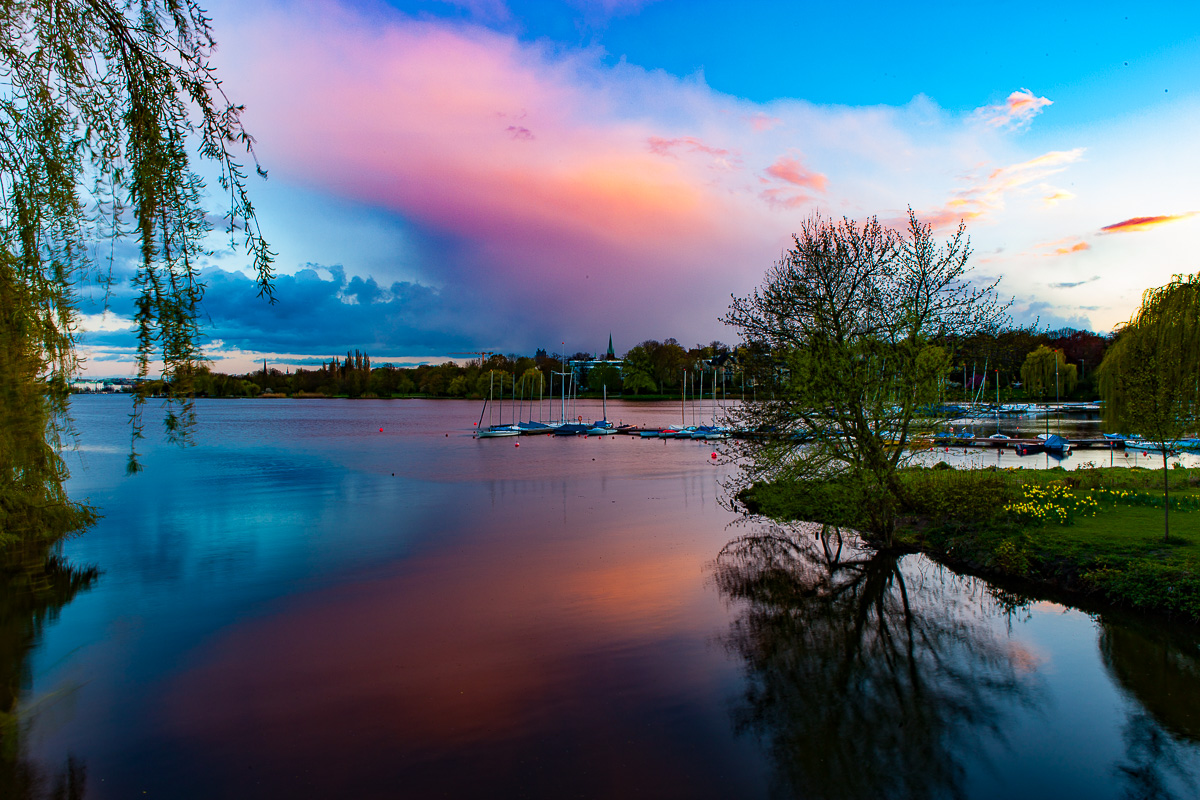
(516,444)
(381,430)
(714,455)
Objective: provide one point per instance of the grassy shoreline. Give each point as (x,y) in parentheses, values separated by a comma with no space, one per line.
(1091,534)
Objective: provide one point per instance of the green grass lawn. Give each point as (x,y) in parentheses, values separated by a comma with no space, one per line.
(1009,523)
(1099,532)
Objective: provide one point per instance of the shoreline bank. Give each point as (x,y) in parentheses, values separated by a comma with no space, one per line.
(1091,534)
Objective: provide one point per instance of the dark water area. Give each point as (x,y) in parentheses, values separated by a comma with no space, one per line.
(302,605)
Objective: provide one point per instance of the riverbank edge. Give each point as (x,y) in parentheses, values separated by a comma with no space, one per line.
(1000,550)
(1100,582)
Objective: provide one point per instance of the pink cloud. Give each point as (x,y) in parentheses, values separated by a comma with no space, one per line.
(763,121)
(784,198)
(663,147)
(414,131)
(543,188)
(792,171)
(1017,110)
(533,174)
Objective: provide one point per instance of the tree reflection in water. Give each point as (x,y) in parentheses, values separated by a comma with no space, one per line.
(863,683)
(24,612)
(1160,668)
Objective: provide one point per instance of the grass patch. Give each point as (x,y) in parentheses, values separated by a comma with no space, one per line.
(1097,532)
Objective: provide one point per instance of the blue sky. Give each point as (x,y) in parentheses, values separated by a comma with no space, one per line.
(512,175)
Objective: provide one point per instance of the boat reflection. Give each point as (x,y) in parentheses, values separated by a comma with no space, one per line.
(864,679)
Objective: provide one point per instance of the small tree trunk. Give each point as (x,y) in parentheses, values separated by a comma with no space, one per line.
(1166,498)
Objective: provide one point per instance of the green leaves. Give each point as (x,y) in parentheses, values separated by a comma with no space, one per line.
(100,102)
(1046,373)
(849,316)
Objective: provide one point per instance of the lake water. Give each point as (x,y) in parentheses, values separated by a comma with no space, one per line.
(304,605)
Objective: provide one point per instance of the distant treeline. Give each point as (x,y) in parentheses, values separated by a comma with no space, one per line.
(652,368)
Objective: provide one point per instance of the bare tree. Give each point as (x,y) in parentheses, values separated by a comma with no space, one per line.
(850,315)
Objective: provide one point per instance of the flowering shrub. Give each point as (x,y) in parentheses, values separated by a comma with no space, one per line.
(1131,497)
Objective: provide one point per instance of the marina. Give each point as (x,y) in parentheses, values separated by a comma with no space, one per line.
(300,564)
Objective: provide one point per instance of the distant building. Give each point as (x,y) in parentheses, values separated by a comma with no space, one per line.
(580,368)
(102,385)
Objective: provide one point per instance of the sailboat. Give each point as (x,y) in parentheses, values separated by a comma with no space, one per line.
(602,427)
(493,431)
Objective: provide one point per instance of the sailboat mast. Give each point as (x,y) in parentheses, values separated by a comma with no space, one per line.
(713,391)
(997,401)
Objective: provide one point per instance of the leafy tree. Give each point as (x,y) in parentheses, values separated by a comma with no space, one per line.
(605,376)
(98,103)
(1083,348)
(1148,379)
(494,383)
(1046,371)
(532,382)
(383,383)
(669,362)
(638,371)
(851,312)
(404,382)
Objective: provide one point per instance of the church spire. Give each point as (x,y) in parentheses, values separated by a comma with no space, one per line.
(610,355)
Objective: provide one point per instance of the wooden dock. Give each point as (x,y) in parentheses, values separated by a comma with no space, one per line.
(1018,444)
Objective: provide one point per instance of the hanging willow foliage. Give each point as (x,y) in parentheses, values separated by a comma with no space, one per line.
(1150,377)
(100,101)
(1046,372)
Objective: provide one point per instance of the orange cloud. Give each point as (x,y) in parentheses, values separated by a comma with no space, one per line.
(944,218)
(1057,197)
(1144,223)
(1078,247)
(1017,110)
(792,171)
(1062,247)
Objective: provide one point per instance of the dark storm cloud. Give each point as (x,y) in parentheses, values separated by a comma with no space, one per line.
(316,315)
(313,315)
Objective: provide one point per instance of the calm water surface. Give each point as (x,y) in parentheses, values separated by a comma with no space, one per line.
(302,605)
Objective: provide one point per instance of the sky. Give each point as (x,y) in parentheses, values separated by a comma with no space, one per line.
(506,175)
